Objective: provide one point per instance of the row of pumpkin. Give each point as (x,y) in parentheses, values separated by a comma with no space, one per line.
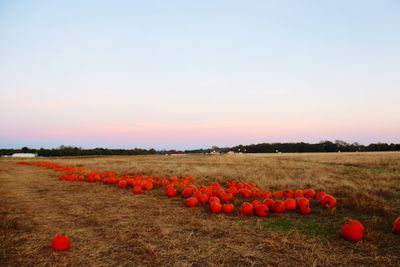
(220,199)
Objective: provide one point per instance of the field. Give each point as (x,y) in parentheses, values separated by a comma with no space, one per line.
(110,226)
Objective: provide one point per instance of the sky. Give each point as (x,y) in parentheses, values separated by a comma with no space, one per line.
(192,74)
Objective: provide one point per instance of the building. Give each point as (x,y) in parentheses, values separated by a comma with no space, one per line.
(24,155)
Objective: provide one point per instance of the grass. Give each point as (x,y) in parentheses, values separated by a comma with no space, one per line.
(110,226)
(304,225)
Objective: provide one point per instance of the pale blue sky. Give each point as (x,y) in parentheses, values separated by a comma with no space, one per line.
(186,74)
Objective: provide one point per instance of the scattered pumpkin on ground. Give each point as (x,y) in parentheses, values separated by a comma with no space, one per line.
(396,226)
(61,242)
(353,230)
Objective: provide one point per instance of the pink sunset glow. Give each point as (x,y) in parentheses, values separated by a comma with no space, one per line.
(130,81)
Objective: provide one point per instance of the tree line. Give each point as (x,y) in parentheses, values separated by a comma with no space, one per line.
(77,151)
(300,147)
(323,146)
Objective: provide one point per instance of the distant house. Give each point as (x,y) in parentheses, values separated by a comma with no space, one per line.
(24,155)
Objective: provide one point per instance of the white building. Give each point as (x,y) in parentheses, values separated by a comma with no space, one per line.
(24,155)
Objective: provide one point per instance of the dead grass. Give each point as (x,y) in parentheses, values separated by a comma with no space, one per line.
(109,226)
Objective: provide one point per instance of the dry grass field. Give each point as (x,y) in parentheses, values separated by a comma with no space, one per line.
(109,226)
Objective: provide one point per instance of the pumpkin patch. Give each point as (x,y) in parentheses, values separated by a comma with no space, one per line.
(215,197)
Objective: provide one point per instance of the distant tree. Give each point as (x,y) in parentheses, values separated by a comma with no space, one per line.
(215,148)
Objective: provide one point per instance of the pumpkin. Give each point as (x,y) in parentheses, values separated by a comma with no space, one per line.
(215,207)
(226,197)
(256,203)
(328,201)
(267,194)
(310,193)
(303,202)
(217,192)
(396,226)
(278,194)
(171,191)
(191,202)
(320,195)
(290,204)
(137,189)
(262,210)
(148,185)
(246,193)
(279,206)
(61,242)
(298,193)
(122,184)
(187,192)
(129,182)
(289,194)
(353,230)
(269,203)
(203,198)
(239,185)
(305,210)
(214,199)
(228,208)
(246,209)
(233,190)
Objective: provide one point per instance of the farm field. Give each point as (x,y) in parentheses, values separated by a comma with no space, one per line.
(108,225)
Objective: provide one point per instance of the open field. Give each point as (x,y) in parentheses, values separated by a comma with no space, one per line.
(110,226)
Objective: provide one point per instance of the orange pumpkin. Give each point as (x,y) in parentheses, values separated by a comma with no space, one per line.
(279,206)
(226,197)
(233,190)
(187,192)
(289,194)
(148,185)
(303,202)
(61,242)
(305,210)
(203,198)
(191,202)
(396,226)
(267,194)
(269,202)
(353,230)
(298,193)
(171,191)
(246,209)
(228,208)
(215,207)
(262,210)
(320,195)
(246,193)
(214,199)
(328,201)
(137,189)
(122,184)
(290,204)
(278,194)
(256,203)
(310,193)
